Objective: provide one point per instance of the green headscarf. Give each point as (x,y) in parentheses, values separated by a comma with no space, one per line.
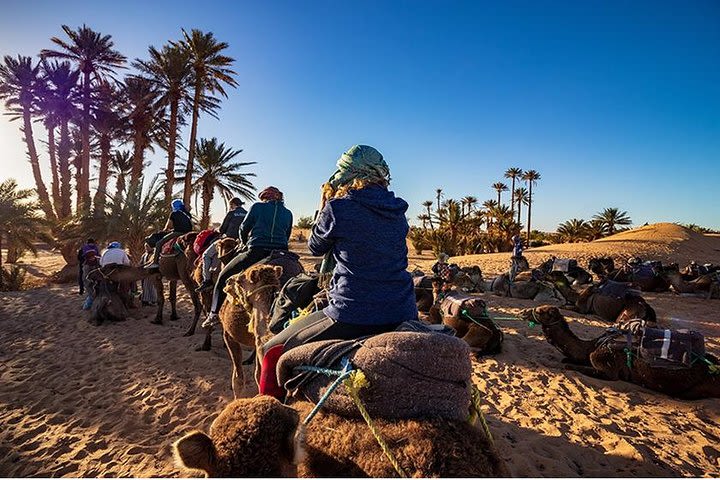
(362,162)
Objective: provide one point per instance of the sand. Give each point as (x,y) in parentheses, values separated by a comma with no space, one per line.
(80,400)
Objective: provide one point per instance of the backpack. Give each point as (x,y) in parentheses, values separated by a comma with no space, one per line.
(203,240)
(296,294)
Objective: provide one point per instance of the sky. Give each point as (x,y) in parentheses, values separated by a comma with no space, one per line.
(616,104)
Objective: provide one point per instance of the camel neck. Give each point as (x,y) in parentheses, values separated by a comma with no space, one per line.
(561,337)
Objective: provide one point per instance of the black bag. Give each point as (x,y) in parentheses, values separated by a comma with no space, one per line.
(671,348)
(297,293)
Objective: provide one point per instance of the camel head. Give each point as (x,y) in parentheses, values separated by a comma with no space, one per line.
(227,248)
(252,437)
(255,290)
(545,315)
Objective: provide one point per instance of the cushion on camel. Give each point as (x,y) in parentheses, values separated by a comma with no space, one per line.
(613,289)
(564,265)
(455,302)
(410,375)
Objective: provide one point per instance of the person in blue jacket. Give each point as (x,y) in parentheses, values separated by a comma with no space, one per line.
(266,227)
(362,225)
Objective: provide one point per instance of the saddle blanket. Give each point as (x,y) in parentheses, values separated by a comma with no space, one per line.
(564,265)
(667,348)
(409,374)
(455,302)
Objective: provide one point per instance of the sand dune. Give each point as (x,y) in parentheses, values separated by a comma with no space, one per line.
(80,400)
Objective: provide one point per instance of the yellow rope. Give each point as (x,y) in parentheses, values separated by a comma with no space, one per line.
(354,383)
(476,412)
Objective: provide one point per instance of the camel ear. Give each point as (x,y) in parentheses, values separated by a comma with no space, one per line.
(254,275)
(195,451)
(278,271)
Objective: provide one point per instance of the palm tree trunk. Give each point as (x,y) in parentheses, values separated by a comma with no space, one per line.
(101,193)
(170,171)
(2,272)
(84,185)
(56,201)
(519,203)
(498,198)
(119,189)
(207,198)
(35,164)
(529,212)
(64,168)
(138,151)
(191,151)
(78,182)
(512,196)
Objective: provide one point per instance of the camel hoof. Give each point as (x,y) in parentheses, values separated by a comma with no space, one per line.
(174,318)
(157,321)
(203,348)
(189,333)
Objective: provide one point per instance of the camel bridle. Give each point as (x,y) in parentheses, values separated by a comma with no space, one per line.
(245,297)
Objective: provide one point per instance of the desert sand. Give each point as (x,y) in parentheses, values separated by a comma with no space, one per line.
(80,400)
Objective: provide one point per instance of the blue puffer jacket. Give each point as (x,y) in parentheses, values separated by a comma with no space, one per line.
(267,225)
(366,232)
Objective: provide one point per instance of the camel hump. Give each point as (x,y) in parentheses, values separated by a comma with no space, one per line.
(410,375)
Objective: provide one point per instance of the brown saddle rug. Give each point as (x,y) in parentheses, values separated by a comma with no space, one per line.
(456,302)
(410,375)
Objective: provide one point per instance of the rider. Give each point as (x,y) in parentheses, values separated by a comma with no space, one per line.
(89,247)
(266,227)
(114,255)
(230,228)
(363,226)
(517,254)
(180,222)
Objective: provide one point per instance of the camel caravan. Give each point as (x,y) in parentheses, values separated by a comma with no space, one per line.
(362,368)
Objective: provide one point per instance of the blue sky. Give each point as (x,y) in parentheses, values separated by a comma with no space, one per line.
(616,104)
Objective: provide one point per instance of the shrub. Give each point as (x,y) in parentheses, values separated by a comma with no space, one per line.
(304,222)
(13,279)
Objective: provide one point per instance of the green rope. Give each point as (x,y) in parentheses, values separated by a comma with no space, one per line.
(712,368)
(628,355)
(341,374)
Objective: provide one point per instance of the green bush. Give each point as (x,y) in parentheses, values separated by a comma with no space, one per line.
(304,222)
(13,279)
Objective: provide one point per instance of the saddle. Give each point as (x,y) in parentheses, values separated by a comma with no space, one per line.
(613,289)
(645,270)
(671,348)
(171,248)
(289,261)
(410,374)
(455,302)
(424,281)
(564,265)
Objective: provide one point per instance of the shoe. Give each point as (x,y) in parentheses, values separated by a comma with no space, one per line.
(88,303)
(205,285)
(211,320)
(150,266)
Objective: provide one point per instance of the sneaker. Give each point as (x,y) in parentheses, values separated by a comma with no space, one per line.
(150,266)
(205,285)
(211,320)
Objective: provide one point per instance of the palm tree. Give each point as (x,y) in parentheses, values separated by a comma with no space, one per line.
(58,100)
(210,71)
(20,83)
(143,116)
(470,202)
(120,169)
(489,206)
(595,230)
(216,170)
(95,58)
(108,124)
(438,195)
(428,204)
(521,198)
(531,176)
(513,173)
(18,220)
(424,217)
(574,230)
(499,187)
(612,217)
(171,71)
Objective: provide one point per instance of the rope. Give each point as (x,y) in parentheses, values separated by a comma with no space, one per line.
(354,383)
(354,380)
(476,412)
(712,368)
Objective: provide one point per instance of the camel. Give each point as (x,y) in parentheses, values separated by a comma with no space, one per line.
(259,284)
(702,284)
(478,330)
(260,437)
(574,273)
(613,308)
(602,358)
(602,267)
(646,283)
(530,289)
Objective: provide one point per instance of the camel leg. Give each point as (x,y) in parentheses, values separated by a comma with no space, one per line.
(235,352)
(207,343)
(195,297)
(160,301)
(173,301)
(587,370)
